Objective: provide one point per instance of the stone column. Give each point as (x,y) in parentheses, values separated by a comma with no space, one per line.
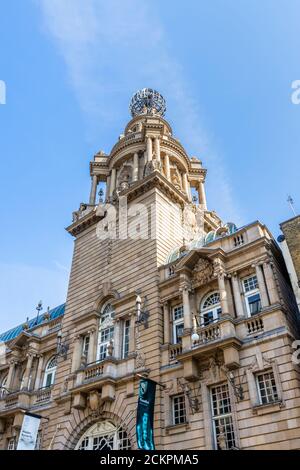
(167,167)
(261,286)
(92,346)
(141,168)
(11,373)
(157,148)
(188,321)
(28,370)
(112,185)
(185,185)
(166,323)
(132,334)
(149,149)
(223,293)
(271,284)
(93,190)
(135,175)
(107,193)
(39,372)
(201,195)
(76,353)
(237,295)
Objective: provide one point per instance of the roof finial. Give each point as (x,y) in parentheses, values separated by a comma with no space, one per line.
(38,308)
(147,101)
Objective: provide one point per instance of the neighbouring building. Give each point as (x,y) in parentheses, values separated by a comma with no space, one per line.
(290,246)
(159,287)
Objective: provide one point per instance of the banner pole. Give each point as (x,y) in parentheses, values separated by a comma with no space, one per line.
(157,383)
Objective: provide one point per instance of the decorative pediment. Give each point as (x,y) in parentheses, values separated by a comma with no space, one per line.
(203,272)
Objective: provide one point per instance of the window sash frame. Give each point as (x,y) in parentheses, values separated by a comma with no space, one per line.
(179,417)
(217,417)
(125,338)
(260,400)
(251,293)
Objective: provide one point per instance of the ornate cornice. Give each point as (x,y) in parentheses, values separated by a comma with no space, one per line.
(156,180)
(80,225)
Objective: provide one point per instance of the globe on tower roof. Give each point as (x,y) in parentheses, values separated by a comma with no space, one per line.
(147,101)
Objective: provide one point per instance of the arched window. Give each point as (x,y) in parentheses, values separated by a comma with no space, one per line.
(106,330)
(50,371)
(211,309)
(3,389)
(104,435)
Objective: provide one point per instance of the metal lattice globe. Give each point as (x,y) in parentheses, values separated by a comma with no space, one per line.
(146,101)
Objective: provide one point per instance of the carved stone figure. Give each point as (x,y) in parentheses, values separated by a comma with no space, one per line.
(203,272)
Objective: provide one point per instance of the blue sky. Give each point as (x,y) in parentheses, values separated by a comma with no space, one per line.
(70,66)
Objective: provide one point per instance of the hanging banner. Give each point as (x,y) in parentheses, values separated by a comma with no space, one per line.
(145,412)
(29,432)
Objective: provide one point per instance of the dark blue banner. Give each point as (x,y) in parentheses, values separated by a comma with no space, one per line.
(145,412)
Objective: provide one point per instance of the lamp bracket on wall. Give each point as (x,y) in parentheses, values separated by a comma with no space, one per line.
(193,400)
(142,313)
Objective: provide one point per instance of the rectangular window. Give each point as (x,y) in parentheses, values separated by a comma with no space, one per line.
(11,444)
(107,334)
(250,284)
(85,345)
(177,312)
(178,324)
(102,351)
(178,409)
(126,332)
(254,304)
(267,388)
(222,418)
(49,379)
(252,295)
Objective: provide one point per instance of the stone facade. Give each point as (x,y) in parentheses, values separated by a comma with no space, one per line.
(290,245)
(217,321)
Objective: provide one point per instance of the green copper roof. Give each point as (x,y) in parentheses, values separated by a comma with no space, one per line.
(14,332)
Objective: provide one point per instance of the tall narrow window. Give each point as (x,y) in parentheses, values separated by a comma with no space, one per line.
(106,331)
(126,333)
(178,409)
(252,295)
(50,371)
(211,309)
(178,324)
(267,387)
(222,418)
(3,388)
(85,345)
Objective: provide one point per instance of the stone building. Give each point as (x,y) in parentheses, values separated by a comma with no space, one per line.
(159,287)
(290,245)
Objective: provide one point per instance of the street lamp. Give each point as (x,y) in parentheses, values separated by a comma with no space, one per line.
(195,337)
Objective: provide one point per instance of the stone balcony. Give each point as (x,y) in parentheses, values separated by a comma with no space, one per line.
(24,400)
(227,335)
(101,376)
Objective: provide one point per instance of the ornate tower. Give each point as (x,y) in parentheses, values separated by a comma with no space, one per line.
(159,287)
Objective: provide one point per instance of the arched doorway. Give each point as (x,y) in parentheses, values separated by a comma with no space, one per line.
(104,435)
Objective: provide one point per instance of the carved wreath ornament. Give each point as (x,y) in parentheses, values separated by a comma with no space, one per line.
(203,272)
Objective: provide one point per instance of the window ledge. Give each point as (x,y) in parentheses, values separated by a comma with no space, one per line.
(268,408)
(177,428)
